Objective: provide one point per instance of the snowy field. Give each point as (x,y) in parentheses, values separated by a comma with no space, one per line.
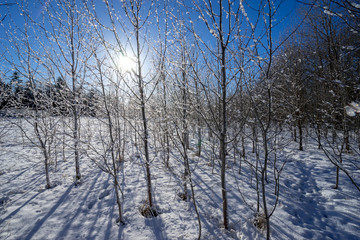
(308,208)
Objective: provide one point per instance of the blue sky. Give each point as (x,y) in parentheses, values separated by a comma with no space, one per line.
(286,18)
(287,11)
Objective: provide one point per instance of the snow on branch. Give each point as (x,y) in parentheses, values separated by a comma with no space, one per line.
(352,109)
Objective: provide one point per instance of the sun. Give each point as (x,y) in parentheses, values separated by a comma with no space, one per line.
(126,64)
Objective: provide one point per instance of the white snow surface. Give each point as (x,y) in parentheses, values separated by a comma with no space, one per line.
(309,207)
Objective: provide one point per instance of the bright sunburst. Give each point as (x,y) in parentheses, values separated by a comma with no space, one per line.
(126,64)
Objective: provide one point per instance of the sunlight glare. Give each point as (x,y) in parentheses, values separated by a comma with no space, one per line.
(126,64)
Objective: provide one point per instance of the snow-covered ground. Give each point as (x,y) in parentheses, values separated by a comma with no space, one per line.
(309,208)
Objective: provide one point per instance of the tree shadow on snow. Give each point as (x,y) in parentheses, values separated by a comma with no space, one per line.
(18,209)
(52,210)
(80,202)
(303,201)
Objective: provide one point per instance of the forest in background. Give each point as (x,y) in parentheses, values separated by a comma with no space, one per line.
(198,68)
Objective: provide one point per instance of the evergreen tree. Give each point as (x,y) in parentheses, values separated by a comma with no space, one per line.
(61,97)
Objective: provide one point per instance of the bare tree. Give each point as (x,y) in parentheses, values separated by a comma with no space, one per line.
(32,100)
(67,52)
(113,141)
(221,20)
(261,90)
(131,17)
(133,11)
(292,77)
(161,51)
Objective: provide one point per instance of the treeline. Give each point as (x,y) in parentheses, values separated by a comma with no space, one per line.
(55,98)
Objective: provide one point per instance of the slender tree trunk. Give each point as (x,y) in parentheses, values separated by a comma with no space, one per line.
(113,144)
(115,170)
(76,143)
(45,153)
(337,178)
(300,135)
(143,114)
(263,187)
(199,139)
(75,95)
(185,137)
(146,147)
(118,202)
(167,141)
(243,147)
(185,126)
(254,140)
(165,119)
(116,183)
(223,137)
(318,129)
(346,140)
(257,182)
(338,171)
(186,171)
(46,159)
(193,193)
(199,136)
